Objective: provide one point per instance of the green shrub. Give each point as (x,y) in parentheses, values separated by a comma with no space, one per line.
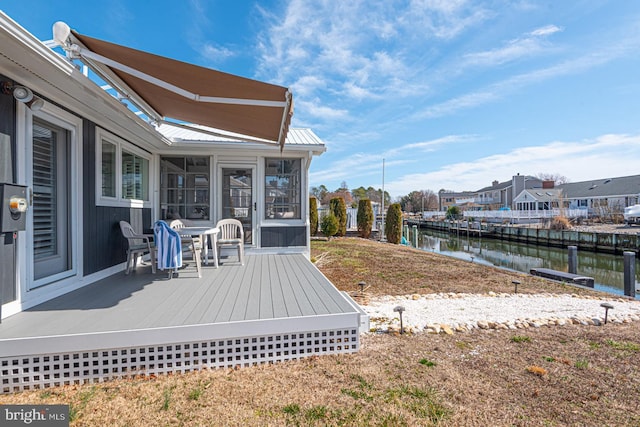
(329,225)
(313,216)
(453,212)
(365,218)
(339,210)
(393,223)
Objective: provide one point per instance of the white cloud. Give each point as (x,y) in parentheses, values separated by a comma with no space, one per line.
(531,44)
(445,19)
(215,53)
(317,109)
(602,157)
(545,31)
(510,85)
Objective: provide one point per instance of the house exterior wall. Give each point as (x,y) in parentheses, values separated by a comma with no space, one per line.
(104,246)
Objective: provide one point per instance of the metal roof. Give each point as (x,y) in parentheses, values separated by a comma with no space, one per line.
(201,134)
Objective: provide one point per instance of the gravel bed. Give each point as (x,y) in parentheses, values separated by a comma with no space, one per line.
(511,311)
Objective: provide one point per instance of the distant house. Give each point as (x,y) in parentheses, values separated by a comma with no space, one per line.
(597,196)
(607,195)
(539,199)
(497,195)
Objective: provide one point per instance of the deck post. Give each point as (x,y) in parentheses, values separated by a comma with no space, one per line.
(573,259)
(630,274)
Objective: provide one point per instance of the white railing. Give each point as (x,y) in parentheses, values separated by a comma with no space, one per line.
(433,214)
(352,217)
(541,214)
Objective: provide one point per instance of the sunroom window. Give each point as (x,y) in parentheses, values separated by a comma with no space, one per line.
(184,187)
(282,189)
(122,172)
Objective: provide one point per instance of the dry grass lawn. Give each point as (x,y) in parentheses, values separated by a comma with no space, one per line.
(571,375)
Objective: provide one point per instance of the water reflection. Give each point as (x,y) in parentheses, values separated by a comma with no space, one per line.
(607,270)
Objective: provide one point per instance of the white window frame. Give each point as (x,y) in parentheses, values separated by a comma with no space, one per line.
(120,144)
(289,221)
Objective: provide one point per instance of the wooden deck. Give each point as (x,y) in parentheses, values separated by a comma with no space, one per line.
(280,297)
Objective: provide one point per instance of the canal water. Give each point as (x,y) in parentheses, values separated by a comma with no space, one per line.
(606,269)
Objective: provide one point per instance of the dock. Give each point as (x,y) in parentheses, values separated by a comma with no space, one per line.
(563,276)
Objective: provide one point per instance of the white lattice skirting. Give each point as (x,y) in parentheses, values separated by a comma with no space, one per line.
(52,370)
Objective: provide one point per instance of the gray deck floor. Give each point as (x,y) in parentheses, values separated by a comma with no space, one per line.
(266,287)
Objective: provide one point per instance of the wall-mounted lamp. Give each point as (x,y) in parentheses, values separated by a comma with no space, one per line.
(22,94)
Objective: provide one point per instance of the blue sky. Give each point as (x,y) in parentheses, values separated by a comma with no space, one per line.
(452,94)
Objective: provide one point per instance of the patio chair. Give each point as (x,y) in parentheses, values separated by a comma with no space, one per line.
(192,244)
(231,235)
(139,244)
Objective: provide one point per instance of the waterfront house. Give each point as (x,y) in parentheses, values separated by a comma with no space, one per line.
(165,140)
(497,195)
(603,196)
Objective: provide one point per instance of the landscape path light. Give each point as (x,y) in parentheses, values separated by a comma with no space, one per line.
(362,286)
(515,284)
(399,309)
(606,306)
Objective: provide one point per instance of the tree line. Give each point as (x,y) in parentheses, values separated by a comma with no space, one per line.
(416,201)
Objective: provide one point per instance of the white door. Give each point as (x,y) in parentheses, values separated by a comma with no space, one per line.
(238,199)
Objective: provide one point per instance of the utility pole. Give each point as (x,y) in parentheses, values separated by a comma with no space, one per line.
(382,235)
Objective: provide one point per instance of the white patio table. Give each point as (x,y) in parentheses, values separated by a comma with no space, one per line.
(204,232)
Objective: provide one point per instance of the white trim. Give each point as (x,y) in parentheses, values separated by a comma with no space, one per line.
(210,350)
(251,164)
(73,124)
(171,334)
(121,145)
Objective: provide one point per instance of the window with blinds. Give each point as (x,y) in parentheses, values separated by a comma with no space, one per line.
(45,212)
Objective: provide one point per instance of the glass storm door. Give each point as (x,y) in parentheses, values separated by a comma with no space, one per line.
(237,198)
(50,209)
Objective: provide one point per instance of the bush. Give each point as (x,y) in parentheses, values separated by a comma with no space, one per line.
(313,216)
(393,223)
(560,223)
(365,218)
(329,225)
(453,212)
(339,210)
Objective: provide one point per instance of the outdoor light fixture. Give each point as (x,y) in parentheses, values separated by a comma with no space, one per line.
(399,309)
(22,94)
(362,286)
(515,284)
(606,307)
(61,32)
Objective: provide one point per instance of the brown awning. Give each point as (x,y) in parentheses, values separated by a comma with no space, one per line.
(187,92)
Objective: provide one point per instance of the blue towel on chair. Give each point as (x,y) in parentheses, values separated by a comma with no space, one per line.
(169,248)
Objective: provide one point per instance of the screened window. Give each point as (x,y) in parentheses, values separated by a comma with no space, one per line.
(135,177)
(108,169)
(122,172)
(283,188)
(184,187)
